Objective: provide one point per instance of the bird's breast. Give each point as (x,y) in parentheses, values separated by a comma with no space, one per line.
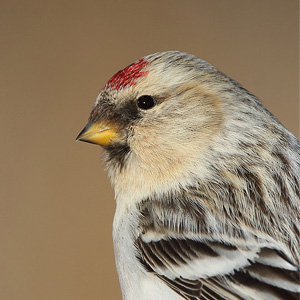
(136,283)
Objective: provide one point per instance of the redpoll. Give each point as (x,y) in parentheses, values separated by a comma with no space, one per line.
(206,183)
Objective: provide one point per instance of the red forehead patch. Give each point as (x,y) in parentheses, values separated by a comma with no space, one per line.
(127,76)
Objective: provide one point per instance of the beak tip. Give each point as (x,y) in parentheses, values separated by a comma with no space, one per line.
(78,138)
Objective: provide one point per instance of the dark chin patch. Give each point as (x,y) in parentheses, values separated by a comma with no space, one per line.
(117,155)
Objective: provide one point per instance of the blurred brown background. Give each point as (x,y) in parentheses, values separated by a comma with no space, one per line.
(56,203)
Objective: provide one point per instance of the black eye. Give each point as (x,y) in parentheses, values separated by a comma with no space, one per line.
(145,102)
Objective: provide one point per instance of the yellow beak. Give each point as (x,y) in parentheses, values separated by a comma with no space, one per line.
(98,133)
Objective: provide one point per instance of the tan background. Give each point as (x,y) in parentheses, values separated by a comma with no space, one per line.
(56,202)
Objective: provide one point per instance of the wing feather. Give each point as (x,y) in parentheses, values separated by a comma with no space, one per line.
(201,255)
(178,261)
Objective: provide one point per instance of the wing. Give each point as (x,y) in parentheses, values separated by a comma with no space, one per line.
(192,268)
(177,245)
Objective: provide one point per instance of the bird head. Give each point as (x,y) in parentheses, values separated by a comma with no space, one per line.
(158,115)
(172,124)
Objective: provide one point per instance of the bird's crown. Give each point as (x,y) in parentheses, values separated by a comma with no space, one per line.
(127,76)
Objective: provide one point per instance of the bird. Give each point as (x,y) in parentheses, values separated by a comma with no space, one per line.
(206,182)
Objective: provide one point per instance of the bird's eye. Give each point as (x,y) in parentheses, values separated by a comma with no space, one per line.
(145,102)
